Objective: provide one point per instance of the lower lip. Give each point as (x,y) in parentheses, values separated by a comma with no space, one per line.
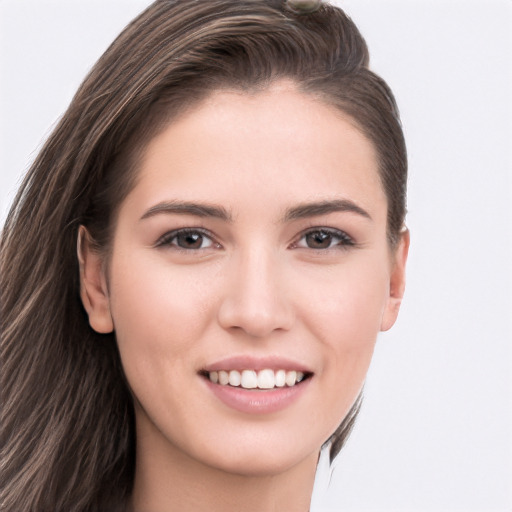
(258,401)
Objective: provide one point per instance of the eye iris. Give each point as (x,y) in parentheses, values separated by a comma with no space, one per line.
(318,240)
(189,240)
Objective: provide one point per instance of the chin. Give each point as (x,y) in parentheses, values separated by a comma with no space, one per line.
(259,455)
(264,463)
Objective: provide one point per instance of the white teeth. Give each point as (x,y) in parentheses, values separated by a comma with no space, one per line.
(234,378)
(291,378)
(266,379)
(250,379)
(223,378)
(280,378)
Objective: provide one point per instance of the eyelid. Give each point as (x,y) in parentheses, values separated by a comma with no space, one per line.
(346,240)
(167,237)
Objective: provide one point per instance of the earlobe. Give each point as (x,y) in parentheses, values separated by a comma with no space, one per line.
(93,284)
(397,282)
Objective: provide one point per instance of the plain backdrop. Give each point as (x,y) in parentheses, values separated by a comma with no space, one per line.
(434,433)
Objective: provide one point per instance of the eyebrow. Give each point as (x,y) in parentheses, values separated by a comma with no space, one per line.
(324,207)
(188,208)
(297,212)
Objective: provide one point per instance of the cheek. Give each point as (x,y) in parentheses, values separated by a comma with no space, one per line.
(344,312)
(159,313)
(345,304)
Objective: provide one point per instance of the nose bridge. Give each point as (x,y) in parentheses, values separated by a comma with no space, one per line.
(255,300)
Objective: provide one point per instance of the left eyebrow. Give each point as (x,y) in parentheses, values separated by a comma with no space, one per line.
(323,208)
(188,208)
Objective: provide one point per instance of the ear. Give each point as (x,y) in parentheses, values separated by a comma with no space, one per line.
(396,283)
(93,284)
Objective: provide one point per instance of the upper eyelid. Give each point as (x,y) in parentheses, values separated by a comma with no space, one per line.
(340,233)
(327,229)
(169,235)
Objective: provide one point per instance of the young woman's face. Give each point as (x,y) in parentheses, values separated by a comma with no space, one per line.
(254,243)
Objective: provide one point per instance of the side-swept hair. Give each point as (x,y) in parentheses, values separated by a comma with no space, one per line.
(68,435)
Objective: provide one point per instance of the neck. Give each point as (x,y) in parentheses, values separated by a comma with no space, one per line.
(169,479)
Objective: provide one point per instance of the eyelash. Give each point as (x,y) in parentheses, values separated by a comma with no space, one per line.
(168,238)
(344,240)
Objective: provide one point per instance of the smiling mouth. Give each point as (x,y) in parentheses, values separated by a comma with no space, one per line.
(251,379)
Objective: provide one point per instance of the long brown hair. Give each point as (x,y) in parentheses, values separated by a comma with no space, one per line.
(67,439)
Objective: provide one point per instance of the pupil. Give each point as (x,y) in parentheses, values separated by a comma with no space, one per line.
(190,240)
(318,240)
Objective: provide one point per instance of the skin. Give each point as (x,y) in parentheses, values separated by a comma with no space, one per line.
(254,286)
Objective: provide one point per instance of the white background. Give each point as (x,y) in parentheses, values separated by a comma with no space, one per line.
(435,430)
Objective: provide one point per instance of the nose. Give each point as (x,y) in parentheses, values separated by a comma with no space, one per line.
(255,300)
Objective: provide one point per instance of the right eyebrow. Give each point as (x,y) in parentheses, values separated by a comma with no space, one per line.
(188,208)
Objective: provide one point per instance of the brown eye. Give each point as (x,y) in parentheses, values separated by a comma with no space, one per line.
(318,240)
(188,239)
(325,239)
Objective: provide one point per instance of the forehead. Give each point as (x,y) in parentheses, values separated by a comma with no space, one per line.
(276,143)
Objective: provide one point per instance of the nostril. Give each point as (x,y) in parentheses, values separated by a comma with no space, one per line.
(255,324)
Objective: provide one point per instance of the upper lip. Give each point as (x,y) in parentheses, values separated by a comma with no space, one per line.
(246,362)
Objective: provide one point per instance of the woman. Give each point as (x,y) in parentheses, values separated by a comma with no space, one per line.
(198,263)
